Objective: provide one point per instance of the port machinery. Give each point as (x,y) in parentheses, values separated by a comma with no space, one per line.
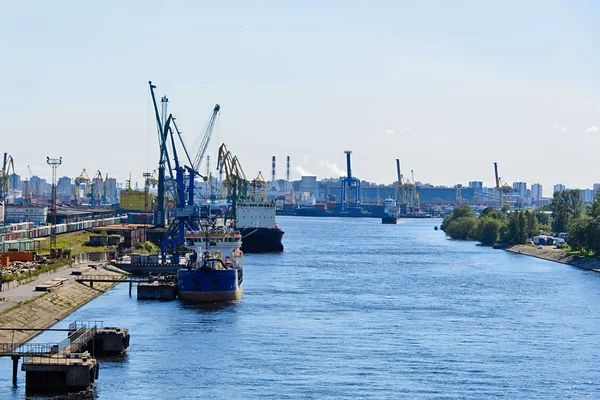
(7,166)
(348,183)
(172,175)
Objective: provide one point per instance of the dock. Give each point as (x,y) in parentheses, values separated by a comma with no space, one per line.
(69,365)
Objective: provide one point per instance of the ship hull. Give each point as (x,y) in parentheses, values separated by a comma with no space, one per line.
(389,220)
(261,240)
(210,285)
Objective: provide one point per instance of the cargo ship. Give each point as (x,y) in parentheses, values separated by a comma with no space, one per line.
(255,220)
(214,272)
(391,212)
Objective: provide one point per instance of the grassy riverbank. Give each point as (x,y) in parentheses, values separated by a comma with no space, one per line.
(558,255)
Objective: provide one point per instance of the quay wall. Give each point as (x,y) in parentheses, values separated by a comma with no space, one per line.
(47,309)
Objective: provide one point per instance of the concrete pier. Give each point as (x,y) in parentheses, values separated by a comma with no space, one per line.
(59,373)
(67,366)
(156,291)
(109,341)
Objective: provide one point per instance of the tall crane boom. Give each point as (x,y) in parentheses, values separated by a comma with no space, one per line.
(4,174)
(496,173)
(210,125)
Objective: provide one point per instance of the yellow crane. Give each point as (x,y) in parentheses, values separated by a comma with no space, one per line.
(234,181)
(83,178)
(258,188)
(502,190)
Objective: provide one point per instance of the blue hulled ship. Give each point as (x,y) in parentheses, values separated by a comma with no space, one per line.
(215,269)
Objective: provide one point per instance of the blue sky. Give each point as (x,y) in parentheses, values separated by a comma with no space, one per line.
(447,87)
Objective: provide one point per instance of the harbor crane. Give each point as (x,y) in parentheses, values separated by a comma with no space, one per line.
(105,190)
(502,190)
(7,167)
(165,124)
(202,143)
(96,190)
(83,178)
(348,183)
(400,189)
(234,183)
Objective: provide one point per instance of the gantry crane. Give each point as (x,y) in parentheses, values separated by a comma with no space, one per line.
(83,178)
(234,183)
(258,188)
(168,154)
(349,182)
(502,190)
(400,190)
(202,142)
(96,190)
(7,166)
(105,189)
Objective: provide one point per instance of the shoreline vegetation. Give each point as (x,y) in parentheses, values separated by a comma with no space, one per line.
(557,255)
(514,230)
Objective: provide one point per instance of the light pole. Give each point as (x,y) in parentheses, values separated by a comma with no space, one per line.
(54,163)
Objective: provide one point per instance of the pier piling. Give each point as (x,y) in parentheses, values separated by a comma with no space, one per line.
(15,360)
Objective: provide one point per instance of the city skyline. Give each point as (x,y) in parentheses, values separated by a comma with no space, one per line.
(521,189)
(448,89)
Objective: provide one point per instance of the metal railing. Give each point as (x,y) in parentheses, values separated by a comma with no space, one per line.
(28,349)
(80,333)
(75,325)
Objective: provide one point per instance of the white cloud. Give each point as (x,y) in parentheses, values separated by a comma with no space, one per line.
(388,131)
(302,171)
(593,129)
(331,167)
(560,128)
(247,27)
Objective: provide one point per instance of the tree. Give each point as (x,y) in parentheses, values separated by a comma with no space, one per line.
(515,231)
(594,210)
(462,228)
(491,213)
(488,231)
(565,205)
(578,239)
(531,224)
(542,217)
(458,212)
(521,228)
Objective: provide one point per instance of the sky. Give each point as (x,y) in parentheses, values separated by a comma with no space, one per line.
(447,87)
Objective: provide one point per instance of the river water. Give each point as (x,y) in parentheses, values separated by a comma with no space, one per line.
(357,309)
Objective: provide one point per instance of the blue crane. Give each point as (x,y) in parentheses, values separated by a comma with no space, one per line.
(349,182)
(186,214)
(210,125)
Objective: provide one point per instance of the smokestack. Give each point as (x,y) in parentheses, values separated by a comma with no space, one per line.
(273,176)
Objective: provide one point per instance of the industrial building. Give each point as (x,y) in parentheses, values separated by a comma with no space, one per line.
(31,213)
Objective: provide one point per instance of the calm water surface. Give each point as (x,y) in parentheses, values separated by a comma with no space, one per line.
(356,309)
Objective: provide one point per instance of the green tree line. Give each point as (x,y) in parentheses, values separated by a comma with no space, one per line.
(494,226)
(582,224)
(569,214)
